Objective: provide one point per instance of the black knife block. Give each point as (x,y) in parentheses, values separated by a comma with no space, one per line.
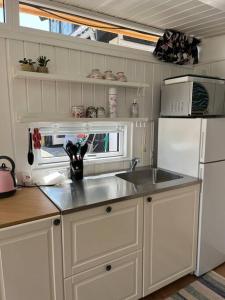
(76,170)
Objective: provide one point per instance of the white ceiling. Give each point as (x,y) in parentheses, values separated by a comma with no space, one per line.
(202,18)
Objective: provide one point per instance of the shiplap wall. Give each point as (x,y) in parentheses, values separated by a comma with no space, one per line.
(20,95)
(212,57)
(216,68)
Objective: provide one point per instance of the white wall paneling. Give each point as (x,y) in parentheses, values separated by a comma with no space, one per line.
(212,69)
(6,143)
(212,49)
(212,59)
(45,96)
(76,57)
(34,89)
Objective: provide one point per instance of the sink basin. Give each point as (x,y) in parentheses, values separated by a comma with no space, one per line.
(146,176)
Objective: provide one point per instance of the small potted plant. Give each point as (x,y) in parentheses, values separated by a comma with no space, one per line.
(42,64)
(27,64)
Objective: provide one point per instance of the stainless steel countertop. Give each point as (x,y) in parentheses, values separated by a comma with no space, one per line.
(94,191)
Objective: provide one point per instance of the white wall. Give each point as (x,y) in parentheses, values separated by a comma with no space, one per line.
(212,57)
(212,49)
(20,96)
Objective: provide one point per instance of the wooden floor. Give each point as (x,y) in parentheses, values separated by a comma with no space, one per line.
(177,285)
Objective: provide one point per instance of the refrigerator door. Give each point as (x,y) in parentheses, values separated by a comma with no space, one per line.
(211,241)
(212,140)
(179,145)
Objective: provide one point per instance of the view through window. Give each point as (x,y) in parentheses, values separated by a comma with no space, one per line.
(2,11)
(42,18)
(98,143)
(105,141)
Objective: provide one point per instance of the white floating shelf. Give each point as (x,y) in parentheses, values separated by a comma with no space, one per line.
(69,78)
(64,118)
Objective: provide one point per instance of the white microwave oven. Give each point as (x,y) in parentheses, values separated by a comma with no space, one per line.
(192,95)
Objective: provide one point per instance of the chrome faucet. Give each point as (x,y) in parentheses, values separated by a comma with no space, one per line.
(133,163)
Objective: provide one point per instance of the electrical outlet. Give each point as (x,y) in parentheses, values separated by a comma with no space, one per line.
(27,179)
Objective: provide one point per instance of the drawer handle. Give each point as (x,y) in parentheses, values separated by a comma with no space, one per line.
(56,222)
(108,268)
(108,209)
(149,199)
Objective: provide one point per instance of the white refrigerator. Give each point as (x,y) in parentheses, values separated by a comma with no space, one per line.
(196,147)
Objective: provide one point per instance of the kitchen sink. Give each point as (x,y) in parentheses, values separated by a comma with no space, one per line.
(151,175)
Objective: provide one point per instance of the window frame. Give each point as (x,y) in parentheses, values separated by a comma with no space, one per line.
(12,30)
(68,9)
(125,152)
(8,12)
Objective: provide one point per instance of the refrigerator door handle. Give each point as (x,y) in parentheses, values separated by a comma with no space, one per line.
(200,174)
(202,146)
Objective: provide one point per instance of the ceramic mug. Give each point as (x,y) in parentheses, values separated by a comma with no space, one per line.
(100,112)
(96,74)
(121,76)
(109,75)
(78,111)
(91,112)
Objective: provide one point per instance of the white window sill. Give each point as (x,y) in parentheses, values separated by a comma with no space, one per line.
(65,165)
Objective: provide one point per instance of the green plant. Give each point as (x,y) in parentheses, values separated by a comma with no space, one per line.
(43,61)
(26,61)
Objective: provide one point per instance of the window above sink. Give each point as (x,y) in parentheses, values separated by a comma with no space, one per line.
(106,142)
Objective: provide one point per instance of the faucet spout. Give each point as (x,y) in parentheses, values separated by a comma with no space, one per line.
(134,163)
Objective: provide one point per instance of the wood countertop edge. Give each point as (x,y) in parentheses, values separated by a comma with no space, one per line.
(27,220)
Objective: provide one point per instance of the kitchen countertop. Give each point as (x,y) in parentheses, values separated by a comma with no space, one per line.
(27,204)
(94,191)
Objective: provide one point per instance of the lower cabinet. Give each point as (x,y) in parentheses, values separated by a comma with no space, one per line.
(121,251)
(94,236)
(120,279)
(170,237)
(31,261)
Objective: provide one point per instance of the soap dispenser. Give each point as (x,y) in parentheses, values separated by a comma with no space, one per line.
(134,109)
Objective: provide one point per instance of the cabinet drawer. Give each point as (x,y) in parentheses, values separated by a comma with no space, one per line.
(93,236)
(121,281)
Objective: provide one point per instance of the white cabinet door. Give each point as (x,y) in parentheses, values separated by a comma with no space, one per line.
(120,279)
(31,261)
(170,237)
(92,236)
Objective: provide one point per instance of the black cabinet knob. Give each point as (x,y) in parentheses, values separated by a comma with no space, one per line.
(108,267)
(108,209)
(56,222)
(149,199)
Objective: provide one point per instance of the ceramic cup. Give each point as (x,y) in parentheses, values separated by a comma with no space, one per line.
(78,111)
(100,112)
(109,75)
(121,76)
(96,74)
(91,112)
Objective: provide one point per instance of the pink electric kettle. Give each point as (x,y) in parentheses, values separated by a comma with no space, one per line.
(7,178)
